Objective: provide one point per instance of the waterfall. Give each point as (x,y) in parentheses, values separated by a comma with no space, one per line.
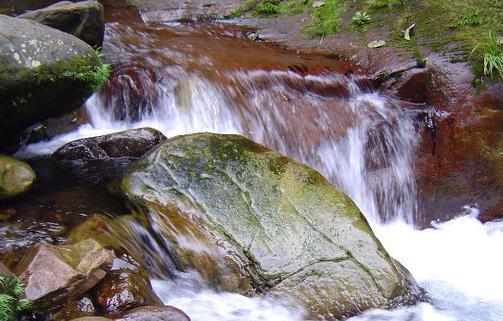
(321,112)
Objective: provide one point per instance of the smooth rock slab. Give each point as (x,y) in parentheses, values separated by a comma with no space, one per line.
(252,220)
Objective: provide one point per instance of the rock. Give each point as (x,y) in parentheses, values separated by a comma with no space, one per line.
(162,10)
(129,143)
(12,7)
(4,270)
(124,289)
(54,274)
(43,73)
(251,220)
(16,177)
(82,307)
(149,313)
(92,319)
(85,20)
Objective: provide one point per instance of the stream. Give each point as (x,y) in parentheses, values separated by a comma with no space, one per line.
(185,78)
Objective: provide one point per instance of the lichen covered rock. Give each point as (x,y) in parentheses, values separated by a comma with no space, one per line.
(16,177)
(251,220)
(43,73)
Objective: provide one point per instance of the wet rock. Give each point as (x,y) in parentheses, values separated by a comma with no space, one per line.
(16,177)
(54,274)
(129,143)
(86,158)
(251,220)
(124,289)
(85,19)
(43,73)
(82,307)
(92,319)
(4,270)
(164,313)
(161,10)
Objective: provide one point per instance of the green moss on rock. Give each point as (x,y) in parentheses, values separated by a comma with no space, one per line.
(252,220)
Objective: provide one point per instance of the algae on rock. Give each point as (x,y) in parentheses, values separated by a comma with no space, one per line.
(252,220)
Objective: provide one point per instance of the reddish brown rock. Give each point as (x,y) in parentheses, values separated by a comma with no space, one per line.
(124,289)
(54,274)
(150,313)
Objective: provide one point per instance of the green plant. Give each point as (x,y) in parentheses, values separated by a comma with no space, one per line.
(360,18)
(471,18)
(267,8)
(493,56)
(11,302)
(378,4)
(325,19)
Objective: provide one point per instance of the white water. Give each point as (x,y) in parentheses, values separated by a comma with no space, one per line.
(364,145)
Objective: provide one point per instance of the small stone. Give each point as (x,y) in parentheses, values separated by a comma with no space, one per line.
(376,44)
(318,4)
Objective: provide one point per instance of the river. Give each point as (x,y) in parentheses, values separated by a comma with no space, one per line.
(185,78)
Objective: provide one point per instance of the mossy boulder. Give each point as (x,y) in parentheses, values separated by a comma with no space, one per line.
(44,72)
(252,220)
(16,177)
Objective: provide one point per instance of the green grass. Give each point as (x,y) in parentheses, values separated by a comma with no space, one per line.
(11,301)
(492,57)
(325,20)
(378,4)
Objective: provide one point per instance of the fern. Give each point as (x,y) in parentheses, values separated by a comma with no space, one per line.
(11,302)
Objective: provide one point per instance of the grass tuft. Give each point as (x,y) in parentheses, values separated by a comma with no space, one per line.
(11,301)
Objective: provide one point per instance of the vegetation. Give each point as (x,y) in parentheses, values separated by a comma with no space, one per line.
(493,57)
(360,18)
(453,27)
(325,19)
(11,301)
(383,3)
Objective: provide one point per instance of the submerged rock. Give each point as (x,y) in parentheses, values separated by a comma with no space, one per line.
(85,20)
(124,289)
(43,73)
(149,313)
(251,220)
(54,274)
(128,143)
(16,177)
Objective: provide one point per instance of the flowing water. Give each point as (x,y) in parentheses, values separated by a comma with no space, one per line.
(208,77)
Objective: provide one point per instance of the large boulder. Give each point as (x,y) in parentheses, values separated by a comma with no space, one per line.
(44,72)
(12,7)
(54,274)
(16,177)
(85,20)
(252,220)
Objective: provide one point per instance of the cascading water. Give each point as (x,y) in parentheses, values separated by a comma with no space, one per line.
(311,109)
